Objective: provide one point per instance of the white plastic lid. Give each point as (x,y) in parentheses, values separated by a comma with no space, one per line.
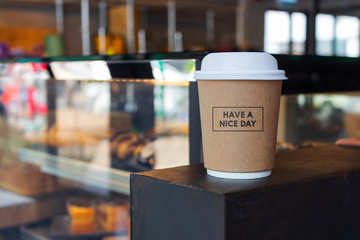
(240,66)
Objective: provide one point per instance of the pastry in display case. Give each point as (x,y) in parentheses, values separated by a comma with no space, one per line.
(81,214)
(90,217)
(114,216)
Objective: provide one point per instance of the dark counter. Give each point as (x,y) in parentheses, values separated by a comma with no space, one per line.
(312,193)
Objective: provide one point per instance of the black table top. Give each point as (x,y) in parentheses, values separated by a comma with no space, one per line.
(291,167)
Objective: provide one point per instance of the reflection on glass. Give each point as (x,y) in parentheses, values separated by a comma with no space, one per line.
(173,70)
(81,70)
(23,96)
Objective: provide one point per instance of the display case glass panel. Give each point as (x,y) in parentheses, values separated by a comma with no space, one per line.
(97,120)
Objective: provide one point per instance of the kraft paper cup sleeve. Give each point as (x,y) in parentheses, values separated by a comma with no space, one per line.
(249,145)
(239,110)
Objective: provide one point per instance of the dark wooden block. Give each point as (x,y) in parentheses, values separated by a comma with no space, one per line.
(312,194)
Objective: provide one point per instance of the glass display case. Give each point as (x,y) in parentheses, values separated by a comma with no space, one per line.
(321,101)
(324,118)
(97,119)
(86,123)
(74,129)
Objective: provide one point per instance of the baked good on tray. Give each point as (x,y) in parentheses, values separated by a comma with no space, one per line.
(113,217)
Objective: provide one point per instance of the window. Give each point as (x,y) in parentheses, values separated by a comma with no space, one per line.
(298,32)
(324,34)
(277,32)
(337,35)
(284,32)
(347,36)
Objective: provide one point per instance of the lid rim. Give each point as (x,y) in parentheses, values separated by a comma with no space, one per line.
(241,75)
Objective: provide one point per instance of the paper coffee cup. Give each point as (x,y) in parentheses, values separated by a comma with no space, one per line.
(239,95)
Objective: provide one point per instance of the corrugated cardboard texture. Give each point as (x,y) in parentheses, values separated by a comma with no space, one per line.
(239,121)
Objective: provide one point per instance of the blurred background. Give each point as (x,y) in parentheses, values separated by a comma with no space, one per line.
(94,90)
(89,27)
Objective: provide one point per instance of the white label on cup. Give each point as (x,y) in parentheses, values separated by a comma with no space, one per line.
(237,119)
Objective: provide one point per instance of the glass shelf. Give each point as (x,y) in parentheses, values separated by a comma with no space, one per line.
(76,170)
